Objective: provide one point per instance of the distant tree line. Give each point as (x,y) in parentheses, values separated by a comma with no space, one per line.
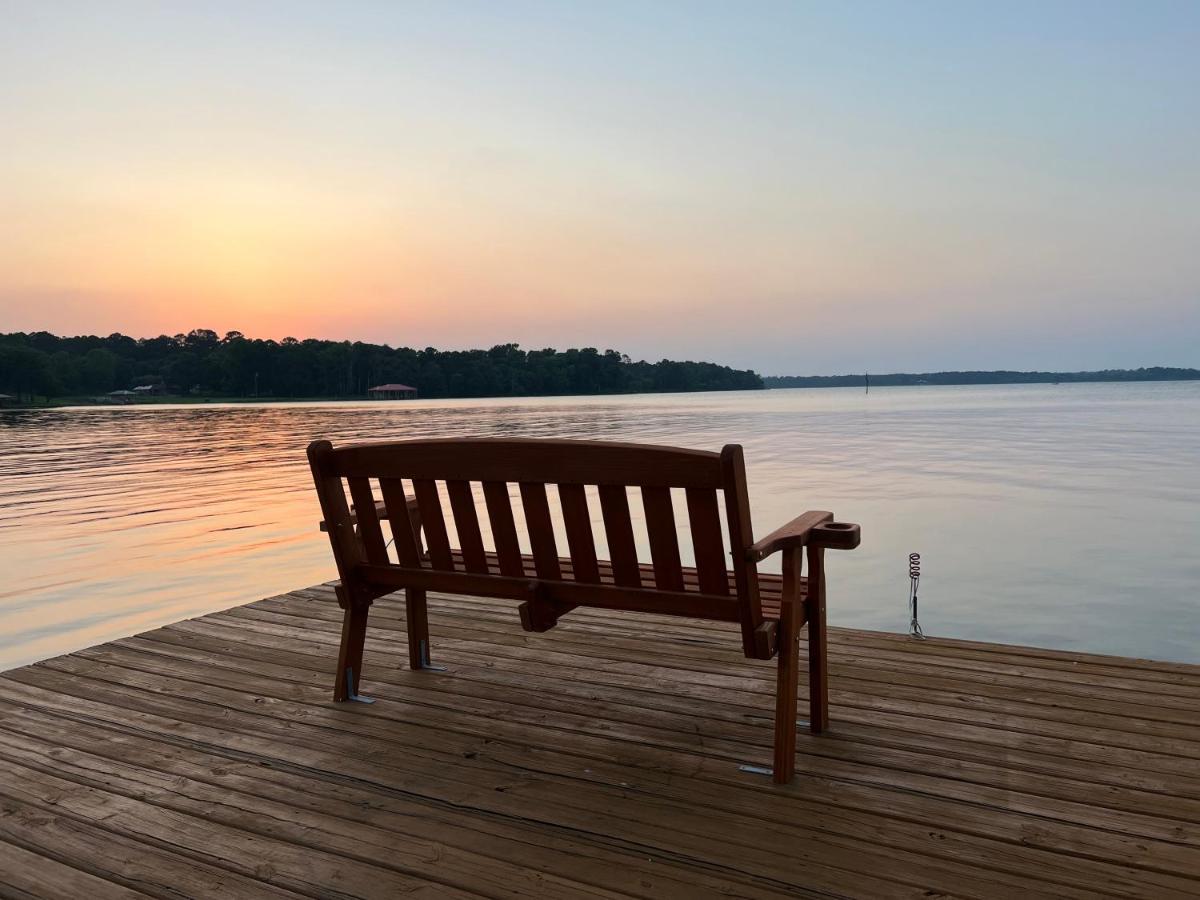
(205,364)
(1155,373)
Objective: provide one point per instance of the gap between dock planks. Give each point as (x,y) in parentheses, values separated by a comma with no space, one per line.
(599,759)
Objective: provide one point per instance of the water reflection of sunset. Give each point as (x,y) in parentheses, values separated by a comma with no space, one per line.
(117,520)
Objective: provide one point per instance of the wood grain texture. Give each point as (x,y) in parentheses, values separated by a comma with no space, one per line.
(546,595)
(818,654)
(335,514)
(541,530)
(707,541)
(618,529)
(664,538)
(794,534)
(787,675)
(367,520)
(399,512)
(433,520)
(466,523)
(504,528)
(615,468)
(581,540)
(597,760)
(562,593)
(741,537)
(516,460)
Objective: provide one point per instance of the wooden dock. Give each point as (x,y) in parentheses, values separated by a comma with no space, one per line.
(206,759)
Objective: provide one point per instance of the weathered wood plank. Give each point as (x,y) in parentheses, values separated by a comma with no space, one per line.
(139,865)
(482,678)
(778,848)
(1077,787)
(27,874)
(1038,699)
(596,760)
(304,869)
(437,831)
(770,852)
(303,824)
(1075,800)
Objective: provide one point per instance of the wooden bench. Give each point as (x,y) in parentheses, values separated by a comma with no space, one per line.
(770,609)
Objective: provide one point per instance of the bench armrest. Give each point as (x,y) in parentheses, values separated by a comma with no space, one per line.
(814,528)
(380,513)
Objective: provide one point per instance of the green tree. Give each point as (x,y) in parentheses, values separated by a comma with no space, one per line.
(237,366)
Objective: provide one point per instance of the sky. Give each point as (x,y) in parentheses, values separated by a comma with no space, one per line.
(795,188)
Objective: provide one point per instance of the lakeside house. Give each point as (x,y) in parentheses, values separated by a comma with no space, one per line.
(392,392)
(5,399)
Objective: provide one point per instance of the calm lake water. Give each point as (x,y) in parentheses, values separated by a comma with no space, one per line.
(1060,516)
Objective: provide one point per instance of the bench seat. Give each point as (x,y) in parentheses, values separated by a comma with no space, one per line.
(770,587)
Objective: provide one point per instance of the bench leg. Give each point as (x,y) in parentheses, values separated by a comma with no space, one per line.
(354,635)
(787,681)
(818,663)
(417,618)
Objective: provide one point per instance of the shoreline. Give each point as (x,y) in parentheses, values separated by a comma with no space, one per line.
(173,400)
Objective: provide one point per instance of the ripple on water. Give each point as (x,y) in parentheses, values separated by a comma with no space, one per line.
(1032,506)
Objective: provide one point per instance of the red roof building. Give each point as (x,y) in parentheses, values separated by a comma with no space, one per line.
(392,392)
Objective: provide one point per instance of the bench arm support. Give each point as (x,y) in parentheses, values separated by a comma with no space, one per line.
(815,528)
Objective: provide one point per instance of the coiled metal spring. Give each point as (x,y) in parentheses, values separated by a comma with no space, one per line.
(914,578)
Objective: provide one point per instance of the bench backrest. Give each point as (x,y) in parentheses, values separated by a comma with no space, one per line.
(408,471)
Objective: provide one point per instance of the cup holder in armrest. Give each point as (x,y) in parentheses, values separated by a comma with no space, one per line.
(837,535)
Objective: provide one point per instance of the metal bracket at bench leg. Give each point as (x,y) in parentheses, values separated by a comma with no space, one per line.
(425,663)
(350,694)
(756,770)
(768,770)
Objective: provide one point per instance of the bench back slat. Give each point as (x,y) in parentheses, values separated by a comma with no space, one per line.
(704,517)
(335,512)
(664,539)
(541,530)
(504,528)
(434,523)
(466,523)
(368,520)
(618,528)
(741,536)
(404,537)
(580,539)
(572,467)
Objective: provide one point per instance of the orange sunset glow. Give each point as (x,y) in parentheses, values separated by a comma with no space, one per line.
(423,178)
